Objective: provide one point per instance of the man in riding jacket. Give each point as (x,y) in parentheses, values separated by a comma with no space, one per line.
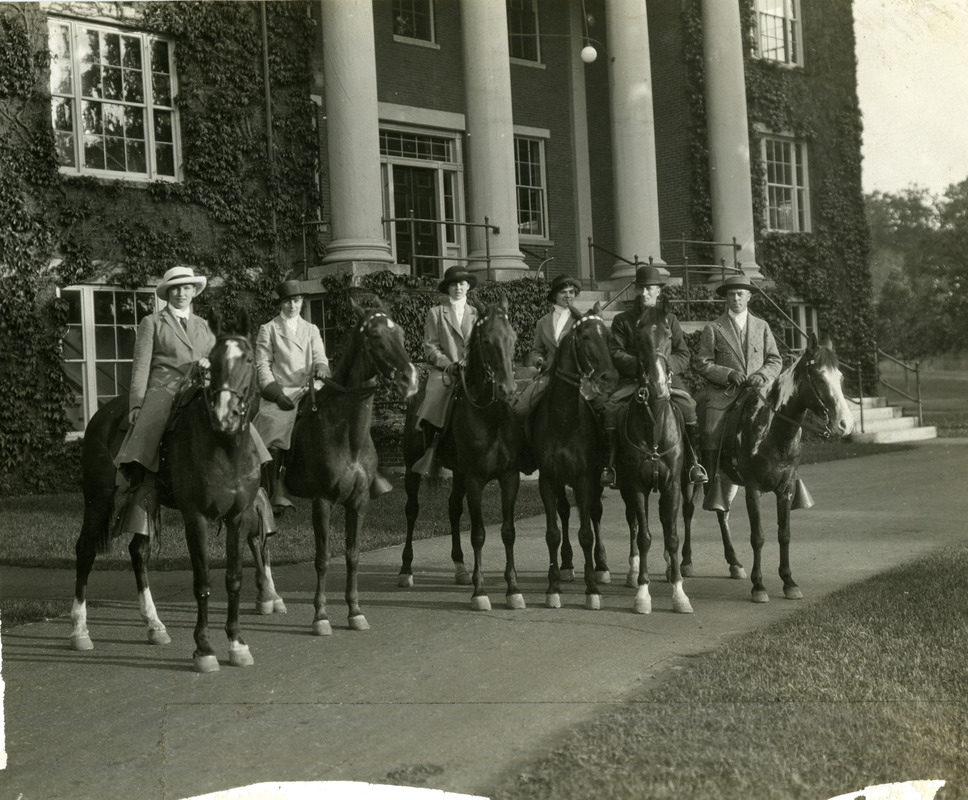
(736,351)
(648,287)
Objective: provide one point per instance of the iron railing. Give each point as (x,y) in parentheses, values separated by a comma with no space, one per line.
(412,221)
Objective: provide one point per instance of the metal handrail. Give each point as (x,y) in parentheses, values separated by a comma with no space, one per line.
(908,369)
(486,225)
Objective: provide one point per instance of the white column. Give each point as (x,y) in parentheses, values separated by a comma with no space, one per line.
(633,135)
(352,124)
(728,133)
(490,138)
(581,167)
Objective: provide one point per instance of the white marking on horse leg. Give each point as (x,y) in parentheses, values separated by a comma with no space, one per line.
(404,580)
(359,623)
(239,655)
(516,601)
(632,576)
(593,602)
(481,603)
(156,629)
(205,663)
(80,636)
(321,627)
(603,576)
(680,603)
(275,603)
(643,600)
(553,600)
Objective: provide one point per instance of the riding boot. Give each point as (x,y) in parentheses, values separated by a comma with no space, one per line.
(278,496)
(138,512)
(697,473)
(609,475)
(715,494)
(379,486)
(424,465)
(263,508)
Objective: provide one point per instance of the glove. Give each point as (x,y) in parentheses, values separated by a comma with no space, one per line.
(452,369)
(755,381)
(539,362)
(133,415)
(273,393)
(321,372)
(734,379)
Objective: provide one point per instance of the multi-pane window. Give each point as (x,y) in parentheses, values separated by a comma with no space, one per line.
(805,318)
(529,177)
(112,101)
(779,36)
(414,19)
(523,30)
(99,344)
(787,184)
(404,144)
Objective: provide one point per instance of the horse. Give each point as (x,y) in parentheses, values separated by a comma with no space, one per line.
(764,452)
(209,472)
(484,441)
(651,454)
(332,458)
(570,448)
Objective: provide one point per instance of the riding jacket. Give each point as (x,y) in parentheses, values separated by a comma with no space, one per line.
(445,342)
(545,345)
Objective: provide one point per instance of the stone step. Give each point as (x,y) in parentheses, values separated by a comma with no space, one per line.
(889,437)
(869,402)
(877,412)
(892,424)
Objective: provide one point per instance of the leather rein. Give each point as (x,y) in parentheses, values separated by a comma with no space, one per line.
(582,378)
(203,377)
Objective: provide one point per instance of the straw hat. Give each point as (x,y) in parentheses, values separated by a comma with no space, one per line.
(177,276)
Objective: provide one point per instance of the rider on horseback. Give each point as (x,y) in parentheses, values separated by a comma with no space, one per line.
(648,287)
(167,346)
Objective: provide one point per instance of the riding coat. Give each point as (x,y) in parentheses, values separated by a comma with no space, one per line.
(164,353)
(445,342)
(545,343)
(291,359)
(722,349)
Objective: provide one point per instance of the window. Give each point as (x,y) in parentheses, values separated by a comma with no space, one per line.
(414,19)
(787,185)
(806,318)
(112,101)
(778,31)
(523,30)
(99,345)
(530,179)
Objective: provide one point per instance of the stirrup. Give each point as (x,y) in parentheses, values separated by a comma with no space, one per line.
(697,474)
(609,478)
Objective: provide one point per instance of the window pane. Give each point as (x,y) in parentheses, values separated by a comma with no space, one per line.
(165,160)
(133,86)
(123,373)
(124,308)
(64,143)
(145,304)
(74,343)
(91,80)
(73,299)
(161,89)
(159,57)
(104,345)
(59,39)
(107,385)
(111,49)
(131,49)
(134,122)
(126,342)
(60,112)
(111,82)
(137,160)
(163,126)
(112,118)
(91,117)
(93,152)
(104,308)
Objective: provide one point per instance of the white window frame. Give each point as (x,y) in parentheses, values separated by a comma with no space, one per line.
(793,184)
(773,16)
(88,397)
(805,316)
(67,92)
(521,35)
(398,37)
(542,189)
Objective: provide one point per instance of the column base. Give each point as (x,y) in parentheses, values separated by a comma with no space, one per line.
(504,266)
(355,269)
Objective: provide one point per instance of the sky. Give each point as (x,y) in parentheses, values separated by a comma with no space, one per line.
(912,81)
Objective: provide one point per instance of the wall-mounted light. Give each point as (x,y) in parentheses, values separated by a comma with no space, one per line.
(588,54)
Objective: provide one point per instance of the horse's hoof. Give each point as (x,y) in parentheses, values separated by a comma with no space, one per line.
(158,636)
(737,573)
(321,627)
(603,576)
(279,606)
(593,602)
(263,607)
(686,570)
(205,663)
(516,601)
(680,603)
(552,600)
(481,603)
(82,642)
(239,655)
(760,596)
(643,602)
(405,581)
(462,577)
(792,593)
(359,623)
(567,574)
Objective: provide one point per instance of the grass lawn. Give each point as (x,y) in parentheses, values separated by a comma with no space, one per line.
(944,396)
(866,687)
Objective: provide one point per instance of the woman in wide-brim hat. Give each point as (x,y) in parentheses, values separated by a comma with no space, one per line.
(289,352)
(553,326)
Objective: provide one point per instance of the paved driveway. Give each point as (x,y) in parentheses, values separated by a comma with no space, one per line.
(435,694)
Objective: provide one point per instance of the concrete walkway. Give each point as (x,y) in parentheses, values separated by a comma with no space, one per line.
(434,694)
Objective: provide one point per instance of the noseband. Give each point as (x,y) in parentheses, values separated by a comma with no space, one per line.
(490,375)
(823,432)
(244,395)
(584,374)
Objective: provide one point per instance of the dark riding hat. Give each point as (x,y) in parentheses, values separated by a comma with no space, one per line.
(177,276)
(649,275)
(455,274)
(734,282)
(288,289)
(561,282)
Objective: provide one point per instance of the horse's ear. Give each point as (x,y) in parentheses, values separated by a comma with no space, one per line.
(812,341)
(662,305)
(597,308)
(502,302)
(357,308)
(575,312)
(475,301)
(826,343)
(244,323)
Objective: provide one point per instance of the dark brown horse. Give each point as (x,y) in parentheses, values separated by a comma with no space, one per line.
(484,442)
(209,471)
(764,453)
(332,458)
(570,448)
(651,449)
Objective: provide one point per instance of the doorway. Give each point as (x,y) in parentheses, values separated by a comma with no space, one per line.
(415,189)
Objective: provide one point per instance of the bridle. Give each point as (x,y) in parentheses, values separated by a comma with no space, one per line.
(824,432)
(642,396)
(490,375)
(245,395)
(584,374)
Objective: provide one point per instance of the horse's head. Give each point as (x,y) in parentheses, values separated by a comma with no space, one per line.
(819,383)
(650,338)
(232,385)
(381,341)
(491,357)
(587,344)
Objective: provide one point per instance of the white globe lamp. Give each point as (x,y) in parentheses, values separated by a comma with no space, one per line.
(588,54)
